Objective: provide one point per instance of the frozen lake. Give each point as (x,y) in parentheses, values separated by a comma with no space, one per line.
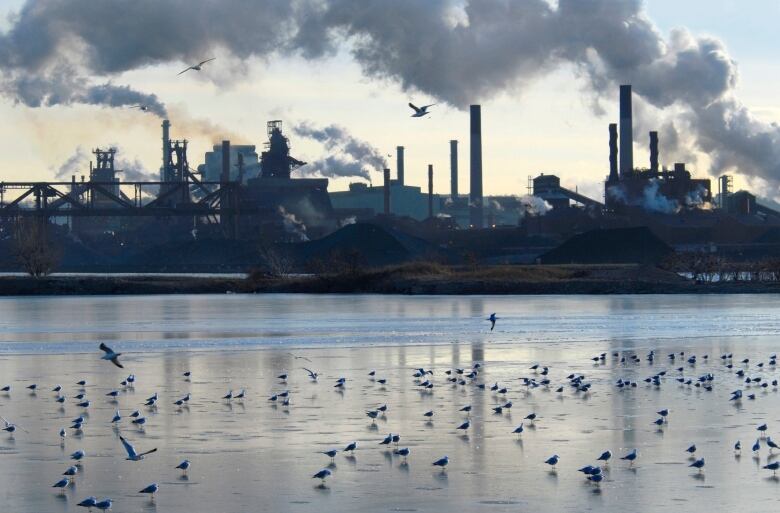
(257,455)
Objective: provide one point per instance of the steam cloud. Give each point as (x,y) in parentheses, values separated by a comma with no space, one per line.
(78,164)
(353,157)
(459,51)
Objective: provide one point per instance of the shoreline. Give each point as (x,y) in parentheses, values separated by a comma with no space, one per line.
(414,279)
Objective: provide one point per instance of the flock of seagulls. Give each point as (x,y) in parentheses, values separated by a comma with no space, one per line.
(680,370)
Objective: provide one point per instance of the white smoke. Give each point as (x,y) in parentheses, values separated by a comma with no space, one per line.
(698,199)
(651,199)
(73,165)
(353,157)
(533,205)
(347,221)
(458,51)
(293,225)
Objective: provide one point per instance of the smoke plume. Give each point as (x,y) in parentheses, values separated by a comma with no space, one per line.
(353,157)
(459,51)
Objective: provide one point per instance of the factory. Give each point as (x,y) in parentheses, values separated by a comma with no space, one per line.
(249,194)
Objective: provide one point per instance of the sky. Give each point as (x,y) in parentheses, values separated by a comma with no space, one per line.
(543,121)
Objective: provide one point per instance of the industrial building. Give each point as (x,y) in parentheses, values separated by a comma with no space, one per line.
(240,194)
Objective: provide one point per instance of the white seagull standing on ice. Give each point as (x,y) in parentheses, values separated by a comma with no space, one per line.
(198,66)
(420,111)
(110,355)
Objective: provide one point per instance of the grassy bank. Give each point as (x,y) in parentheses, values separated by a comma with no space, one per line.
(417,278)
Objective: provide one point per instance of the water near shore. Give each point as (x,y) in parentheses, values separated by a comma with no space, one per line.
(257,455)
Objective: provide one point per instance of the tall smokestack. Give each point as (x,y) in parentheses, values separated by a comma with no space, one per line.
(654,152)
(166,146)
(430,190)
(454,169)
(399,163)
(475,192)
(626,132)
(225,176)
(387,191)
(613,152)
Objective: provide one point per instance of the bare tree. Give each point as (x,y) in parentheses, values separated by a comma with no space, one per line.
(33,247)
(277,262)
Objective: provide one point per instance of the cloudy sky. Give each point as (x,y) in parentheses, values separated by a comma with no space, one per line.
(546,73)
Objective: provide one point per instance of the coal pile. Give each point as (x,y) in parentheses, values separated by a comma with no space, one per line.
(613,246)
(374,245)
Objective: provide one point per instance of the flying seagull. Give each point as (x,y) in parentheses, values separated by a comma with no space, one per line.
(142,108)
(110,355)
(492,320)
(420,111)
(198,66)
(131,454)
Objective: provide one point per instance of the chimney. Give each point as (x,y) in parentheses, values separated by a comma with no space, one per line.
(475,191)
(225,177)
(454,169)
(430,190)
(613,152)
(654,152)
(166,146)
(399,163)
(679,167)
(626,132)
(387,191)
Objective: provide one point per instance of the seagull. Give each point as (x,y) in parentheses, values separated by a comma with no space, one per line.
(351,447)
(428,414)
(322,474)
(131,454)
(117,417)
(738,446)
(518,430)
(699,464)
(492,320)
(89,502)
(630,457)
(773,467)
(756,446)
(151,489)
(143,108)
(605,456)
(464,426)
(61,484)
(420,111)
(552,460)
(313,375)
(71,471)
(198,66)
(443,462)
(78,455)
(691,450)
(104,504)
(331,453)
(184,466)
(112,357)
(403,452)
